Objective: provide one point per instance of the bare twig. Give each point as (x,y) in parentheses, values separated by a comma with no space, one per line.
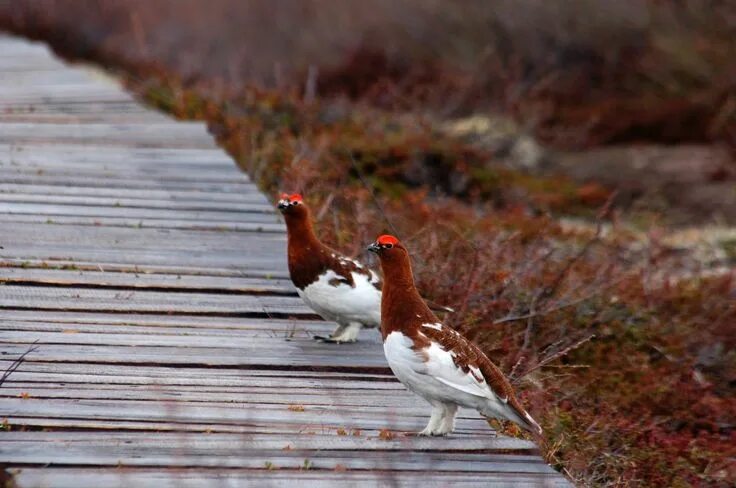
(16,364)
(549,291)
(561,306)
(472,277)
(325,206)
(556,355)
(310,86)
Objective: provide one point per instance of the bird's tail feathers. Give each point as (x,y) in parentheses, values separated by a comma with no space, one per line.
(524,420)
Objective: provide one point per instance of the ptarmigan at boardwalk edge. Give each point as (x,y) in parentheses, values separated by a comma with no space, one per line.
(336,287)
(435,361)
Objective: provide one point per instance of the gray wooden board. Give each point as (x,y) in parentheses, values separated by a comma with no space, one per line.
(168,134)
(66,153)
(66,118)
(56,262)
(148,203)
(246,260)
(209,173)
(192,196)
(274,478)
(265,243)
(89,89)
(151,275)
(479,441)
(264,353)
(193,376)
(101,375)
(178,453)
(43,178)
(257,216)
(270,328)
(142,319)
(70,298)
(366,400)
(177,173)
(260,415)
(50,83)
(147,280)
(143,223)
(70,107)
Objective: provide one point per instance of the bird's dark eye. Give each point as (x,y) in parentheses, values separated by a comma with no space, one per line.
(388,246)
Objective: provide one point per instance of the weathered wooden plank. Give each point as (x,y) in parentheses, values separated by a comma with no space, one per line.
(203,225)
(203,379)
(452,447)
(173,172)
(292,353)
(238,456)
(367,400)
(287,328)
(168,375)
(148,324)
(234,208)
(85,88)
(275,478)
(494,446)
(264,243)
(66,153)
(71,107)
(191,196)
(61,77)
(178,174)
(57,262)
(180,134)
(257,415)
(21,178)
(147,280)
(238,261)
(240,340)
(138,213)
(31,116)
(71,298)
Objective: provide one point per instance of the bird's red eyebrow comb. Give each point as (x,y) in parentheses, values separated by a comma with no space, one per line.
(296,197)
(387,239)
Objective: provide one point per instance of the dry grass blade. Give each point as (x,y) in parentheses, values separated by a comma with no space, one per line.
(554,356)
(17,362)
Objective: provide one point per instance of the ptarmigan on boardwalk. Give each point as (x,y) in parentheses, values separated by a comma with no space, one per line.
(435,361)
(336,287)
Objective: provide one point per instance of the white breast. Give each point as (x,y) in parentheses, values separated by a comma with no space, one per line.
(432,373)
(344,303)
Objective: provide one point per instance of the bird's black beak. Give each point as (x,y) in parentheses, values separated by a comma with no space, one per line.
(374,247)
(282,205)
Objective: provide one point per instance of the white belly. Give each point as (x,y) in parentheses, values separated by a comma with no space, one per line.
(344,303)
(436,380)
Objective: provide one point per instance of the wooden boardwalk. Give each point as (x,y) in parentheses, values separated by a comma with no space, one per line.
(171,348)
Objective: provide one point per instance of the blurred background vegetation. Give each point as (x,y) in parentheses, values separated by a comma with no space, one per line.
(563,172)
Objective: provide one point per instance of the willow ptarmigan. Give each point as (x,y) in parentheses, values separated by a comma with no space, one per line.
(336,287)
(435,361)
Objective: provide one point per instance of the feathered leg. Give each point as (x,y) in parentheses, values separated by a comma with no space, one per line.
(447,424)
(343,333)
(434,421)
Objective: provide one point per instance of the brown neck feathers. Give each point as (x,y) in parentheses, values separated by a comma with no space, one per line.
(402,308)
(305,251)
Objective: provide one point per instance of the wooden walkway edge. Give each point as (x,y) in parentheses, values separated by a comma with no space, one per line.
(172,349)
